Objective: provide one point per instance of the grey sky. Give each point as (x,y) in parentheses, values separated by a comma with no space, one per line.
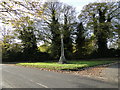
(78,4)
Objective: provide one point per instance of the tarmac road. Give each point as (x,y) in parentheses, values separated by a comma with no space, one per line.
(25,77)
(111,73)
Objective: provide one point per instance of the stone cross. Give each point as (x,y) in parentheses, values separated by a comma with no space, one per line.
(62,59)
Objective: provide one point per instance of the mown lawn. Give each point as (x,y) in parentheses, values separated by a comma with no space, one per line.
(72,65)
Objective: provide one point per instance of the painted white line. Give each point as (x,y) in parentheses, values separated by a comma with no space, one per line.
(30,80)
(39,84)
(42,85)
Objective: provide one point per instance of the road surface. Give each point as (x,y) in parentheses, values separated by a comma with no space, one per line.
(111,73)
(24,77)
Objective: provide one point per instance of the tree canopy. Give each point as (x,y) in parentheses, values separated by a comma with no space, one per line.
(29,26)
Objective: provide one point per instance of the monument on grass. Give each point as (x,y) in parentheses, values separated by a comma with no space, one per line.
(62,59)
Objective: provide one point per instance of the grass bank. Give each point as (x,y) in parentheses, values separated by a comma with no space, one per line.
(72,65)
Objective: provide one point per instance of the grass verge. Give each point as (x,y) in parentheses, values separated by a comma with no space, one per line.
(72,65)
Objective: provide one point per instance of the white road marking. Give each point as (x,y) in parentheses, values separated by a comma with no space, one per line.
(31,80)
(42,85)
(39,84)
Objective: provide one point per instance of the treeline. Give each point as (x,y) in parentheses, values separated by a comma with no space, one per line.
(94,33)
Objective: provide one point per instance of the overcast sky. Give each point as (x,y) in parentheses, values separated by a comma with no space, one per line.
(78,4)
